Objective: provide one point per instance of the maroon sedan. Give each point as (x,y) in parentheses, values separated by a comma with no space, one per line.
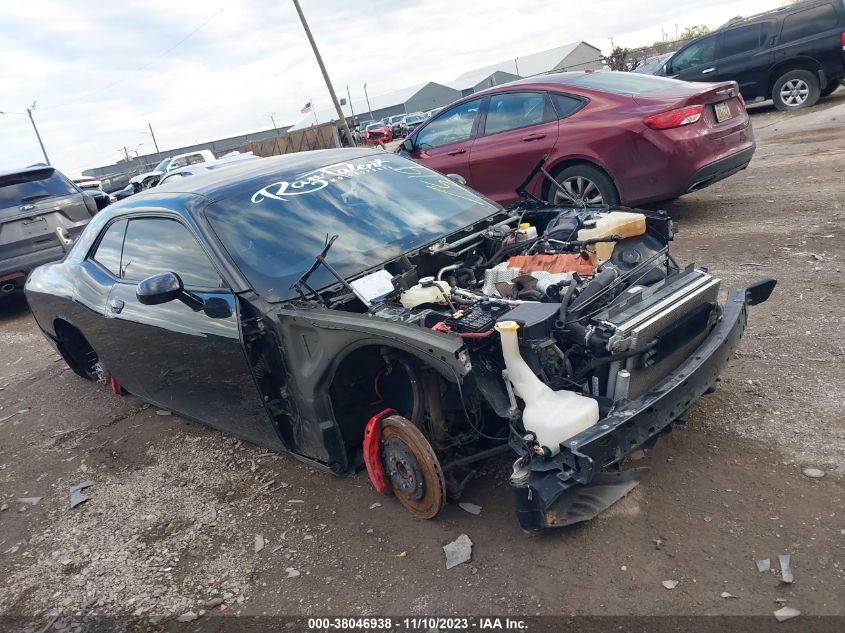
(610,137)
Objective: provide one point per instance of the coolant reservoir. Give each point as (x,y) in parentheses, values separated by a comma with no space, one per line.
(621,223)
(427,291)
(553,416)
(526,232)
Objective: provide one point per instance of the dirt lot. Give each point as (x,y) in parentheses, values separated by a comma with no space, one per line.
(175,508)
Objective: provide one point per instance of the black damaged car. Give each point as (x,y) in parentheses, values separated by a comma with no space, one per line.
(354,309)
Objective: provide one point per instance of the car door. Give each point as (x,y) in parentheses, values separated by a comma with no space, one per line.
(743,55)
(187,361)
(444,143)
(515,131)
(694,62)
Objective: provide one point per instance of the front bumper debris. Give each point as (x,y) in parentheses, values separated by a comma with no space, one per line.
(570,487)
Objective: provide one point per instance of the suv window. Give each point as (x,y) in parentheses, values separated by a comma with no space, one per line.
(808,22)
(110,247)
(453,126)
(31,186)
(513,110)
(158,245)
(565,105)
(701,52)
(741,40)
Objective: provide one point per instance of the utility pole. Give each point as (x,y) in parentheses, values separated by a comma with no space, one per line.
(351,109)
(325,73)
(276,127)
(34,127)
(126,153)
(155,142)
(369,107)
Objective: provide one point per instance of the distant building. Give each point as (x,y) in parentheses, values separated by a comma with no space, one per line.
(574,56)
(419,98)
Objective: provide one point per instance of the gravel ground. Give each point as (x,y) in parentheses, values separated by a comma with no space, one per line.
(182,519)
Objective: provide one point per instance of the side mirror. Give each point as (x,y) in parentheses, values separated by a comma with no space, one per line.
(408,145)
(163,288)
(457,178)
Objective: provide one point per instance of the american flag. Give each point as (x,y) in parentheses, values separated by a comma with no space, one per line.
(306,108)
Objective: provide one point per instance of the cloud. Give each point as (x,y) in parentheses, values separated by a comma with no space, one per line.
(89,65)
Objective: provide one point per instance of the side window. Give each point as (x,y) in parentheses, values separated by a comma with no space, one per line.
(193,159)
(158,245)
(110,246)
(808,22)
(701,52)
(453,126)
(173,176)
(741,40)
(513,110)
(565,105)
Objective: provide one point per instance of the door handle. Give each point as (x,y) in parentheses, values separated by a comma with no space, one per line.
(708,70)
(533,137)
(456,152)
(116,306)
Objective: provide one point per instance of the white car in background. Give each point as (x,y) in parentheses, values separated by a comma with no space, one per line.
(200,168)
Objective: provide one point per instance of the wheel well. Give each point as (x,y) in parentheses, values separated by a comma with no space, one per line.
(804,63)
(369,380)
(559,167)
(75,349)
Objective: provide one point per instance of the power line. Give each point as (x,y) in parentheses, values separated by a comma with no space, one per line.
(149,63)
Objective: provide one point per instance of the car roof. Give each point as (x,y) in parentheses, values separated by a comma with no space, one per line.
(247,175)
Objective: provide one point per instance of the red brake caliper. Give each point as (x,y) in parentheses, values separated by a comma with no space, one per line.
(372,451)
(115,386)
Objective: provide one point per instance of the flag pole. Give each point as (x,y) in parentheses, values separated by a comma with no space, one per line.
(313,110)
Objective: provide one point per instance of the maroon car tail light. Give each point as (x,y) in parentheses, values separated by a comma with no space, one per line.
(843,40)
(675,118)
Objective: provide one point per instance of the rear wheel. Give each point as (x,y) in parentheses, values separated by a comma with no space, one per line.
(796,89)
(582,184)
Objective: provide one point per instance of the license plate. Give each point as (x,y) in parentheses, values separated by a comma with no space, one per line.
(36,226)
(723,111)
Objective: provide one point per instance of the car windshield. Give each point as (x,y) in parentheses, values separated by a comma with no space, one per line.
(30,186)
(378,207)
(162,166)
(622,83)
(414,119)
(375,126)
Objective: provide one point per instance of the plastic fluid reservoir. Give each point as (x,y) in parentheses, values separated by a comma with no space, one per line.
(427,291)
(526,232)
(621,223)
(552,416)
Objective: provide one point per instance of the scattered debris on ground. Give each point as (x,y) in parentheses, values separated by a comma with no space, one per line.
(458,551)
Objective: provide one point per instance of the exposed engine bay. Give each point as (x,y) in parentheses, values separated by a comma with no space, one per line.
(573,323)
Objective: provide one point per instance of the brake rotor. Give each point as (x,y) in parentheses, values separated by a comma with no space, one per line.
(412,467)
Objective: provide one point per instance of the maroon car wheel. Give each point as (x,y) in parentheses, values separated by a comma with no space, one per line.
(583,184)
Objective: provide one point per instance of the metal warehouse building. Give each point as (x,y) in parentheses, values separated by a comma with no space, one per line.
(422,97)
(574,56)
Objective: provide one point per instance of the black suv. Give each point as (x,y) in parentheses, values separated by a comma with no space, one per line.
(41,213)
(792,55)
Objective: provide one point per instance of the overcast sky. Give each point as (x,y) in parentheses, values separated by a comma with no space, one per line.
(205,69)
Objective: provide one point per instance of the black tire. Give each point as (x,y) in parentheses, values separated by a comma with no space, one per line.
(830,88)
(796,89)
(586,180)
